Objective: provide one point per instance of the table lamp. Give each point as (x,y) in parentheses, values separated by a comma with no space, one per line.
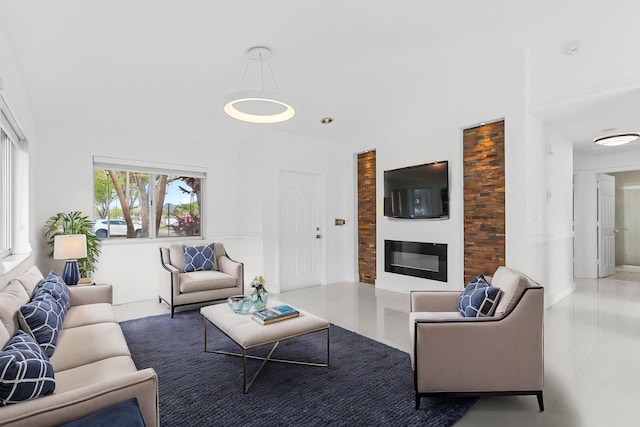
(70,247)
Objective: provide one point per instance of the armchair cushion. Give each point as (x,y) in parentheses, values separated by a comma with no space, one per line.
(479,299)
(512,284)
(205,281)
(199,258)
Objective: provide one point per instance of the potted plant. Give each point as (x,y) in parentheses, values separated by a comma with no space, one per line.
(75,223)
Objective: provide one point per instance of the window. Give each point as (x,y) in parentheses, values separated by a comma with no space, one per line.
(14,186)
(5,194)
(140,200)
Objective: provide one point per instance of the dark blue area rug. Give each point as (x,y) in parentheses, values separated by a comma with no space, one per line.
(367,384)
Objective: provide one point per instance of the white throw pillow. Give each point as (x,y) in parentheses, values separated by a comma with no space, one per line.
(512,285)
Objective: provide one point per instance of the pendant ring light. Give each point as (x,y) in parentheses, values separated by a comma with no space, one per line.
(617,139)
(259,106)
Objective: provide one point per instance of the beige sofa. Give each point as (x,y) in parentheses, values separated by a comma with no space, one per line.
(92,364)
(184,288)
(501,354)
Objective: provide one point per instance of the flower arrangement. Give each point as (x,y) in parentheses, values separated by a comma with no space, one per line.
(258,285)
(260,296)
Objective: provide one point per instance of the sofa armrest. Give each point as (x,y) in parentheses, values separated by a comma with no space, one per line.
(57,409)
(232,268)
(81,295)
(434,300)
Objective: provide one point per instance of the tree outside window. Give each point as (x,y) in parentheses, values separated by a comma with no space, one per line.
(131,204)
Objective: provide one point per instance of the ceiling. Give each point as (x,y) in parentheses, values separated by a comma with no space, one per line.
(165,66)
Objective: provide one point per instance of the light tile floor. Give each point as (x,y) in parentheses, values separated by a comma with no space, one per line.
(592,349)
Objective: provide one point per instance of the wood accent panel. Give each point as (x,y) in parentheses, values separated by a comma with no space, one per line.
(484,200)
(367,217)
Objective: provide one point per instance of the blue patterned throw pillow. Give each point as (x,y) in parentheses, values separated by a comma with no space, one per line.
(54,286)
(25,370)
(42,319)
(199,258)
(479,299)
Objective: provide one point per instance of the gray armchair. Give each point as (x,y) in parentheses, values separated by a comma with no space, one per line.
(498,355)
(183,288)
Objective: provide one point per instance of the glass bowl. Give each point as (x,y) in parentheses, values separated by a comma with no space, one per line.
(240,304)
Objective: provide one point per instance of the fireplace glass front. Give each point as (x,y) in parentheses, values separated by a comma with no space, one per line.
(426,260)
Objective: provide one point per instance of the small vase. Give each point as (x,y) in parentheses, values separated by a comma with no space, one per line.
(260,299)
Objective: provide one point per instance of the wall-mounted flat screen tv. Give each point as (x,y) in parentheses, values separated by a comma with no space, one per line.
(415,192)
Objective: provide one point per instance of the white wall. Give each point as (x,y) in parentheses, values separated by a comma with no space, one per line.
(560,80)
(605,62)
(549,211)
(17,96)
(240,208)
(273,152)
(586,168)
(536,245)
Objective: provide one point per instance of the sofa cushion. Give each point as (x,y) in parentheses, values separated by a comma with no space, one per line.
(30,279)
(4,335)
(479,299)
(199,258)
(205,281)
(98,342)
(43,319)
(12,297)
(93,373)
(89,314)
(512,285)
(25,370)
(54,286)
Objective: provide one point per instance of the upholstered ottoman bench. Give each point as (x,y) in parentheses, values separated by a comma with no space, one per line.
(249,334)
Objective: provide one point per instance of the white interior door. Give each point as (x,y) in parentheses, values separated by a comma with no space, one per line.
(606,225)
(299,230)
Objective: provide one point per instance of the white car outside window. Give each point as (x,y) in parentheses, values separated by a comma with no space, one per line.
(113,228)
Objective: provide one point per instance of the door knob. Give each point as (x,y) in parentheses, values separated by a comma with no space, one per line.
(317,236)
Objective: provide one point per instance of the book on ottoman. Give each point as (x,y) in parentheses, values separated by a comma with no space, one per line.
(275,314)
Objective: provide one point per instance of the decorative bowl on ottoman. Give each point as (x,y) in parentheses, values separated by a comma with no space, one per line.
(240,304)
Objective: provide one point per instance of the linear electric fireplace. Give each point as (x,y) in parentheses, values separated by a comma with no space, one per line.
(426,260)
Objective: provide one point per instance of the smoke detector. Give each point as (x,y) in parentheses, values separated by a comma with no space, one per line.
(573,47)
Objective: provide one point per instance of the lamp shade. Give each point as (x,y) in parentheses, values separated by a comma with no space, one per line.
(70,246)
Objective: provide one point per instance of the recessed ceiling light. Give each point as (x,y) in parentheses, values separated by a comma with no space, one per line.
(326,120)
(617,139)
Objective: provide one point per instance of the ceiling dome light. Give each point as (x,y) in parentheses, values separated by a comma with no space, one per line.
(259,106)
(326,120)
(617,139)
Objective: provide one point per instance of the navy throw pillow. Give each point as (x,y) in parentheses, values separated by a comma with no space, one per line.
(54,286)
(25,370)
(42,319)
(479,299)
(199,258)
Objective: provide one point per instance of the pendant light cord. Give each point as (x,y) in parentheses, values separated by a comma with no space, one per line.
(246,69)
(273,77)
(243,76)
